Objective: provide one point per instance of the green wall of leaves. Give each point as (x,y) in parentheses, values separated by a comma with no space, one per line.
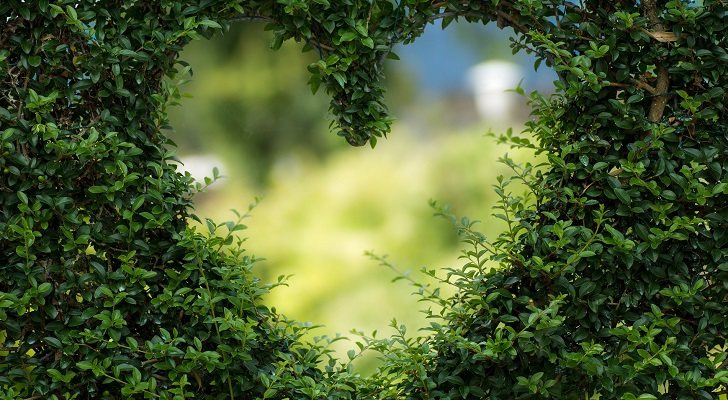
(612,277)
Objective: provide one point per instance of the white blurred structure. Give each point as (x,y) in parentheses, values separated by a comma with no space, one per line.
(491,81)
(200,166)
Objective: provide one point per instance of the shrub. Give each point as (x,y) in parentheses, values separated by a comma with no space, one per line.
(611,279)
(106,292)
(612,275)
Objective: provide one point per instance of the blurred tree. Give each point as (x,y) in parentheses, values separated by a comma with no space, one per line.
(250,105)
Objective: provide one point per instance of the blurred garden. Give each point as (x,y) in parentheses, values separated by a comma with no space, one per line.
(248,111)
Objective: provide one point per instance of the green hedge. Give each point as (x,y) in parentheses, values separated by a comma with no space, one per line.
(612,277)
(106,292)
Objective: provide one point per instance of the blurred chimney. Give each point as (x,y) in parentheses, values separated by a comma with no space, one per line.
(490,82)
(200,166)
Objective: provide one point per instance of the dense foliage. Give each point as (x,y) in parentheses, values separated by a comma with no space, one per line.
(106,292)
(611,279)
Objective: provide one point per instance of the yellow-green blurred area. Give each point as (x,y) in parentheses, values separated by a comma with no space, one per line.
(324,204)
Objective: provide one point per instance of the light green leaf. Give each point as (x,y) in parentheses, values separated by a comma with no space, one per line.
(210,23)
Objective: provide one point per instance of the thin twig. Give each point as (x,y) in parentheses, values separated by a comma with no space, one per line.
(638,84)
(320,45)
(247,18)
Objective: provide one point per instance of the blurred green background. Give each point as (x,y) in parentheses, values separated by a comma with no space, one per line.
(250,113)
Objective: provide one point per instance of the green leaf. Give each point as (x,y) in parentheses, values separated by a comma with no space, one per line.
(44,288)
(84,365)
(133,345)
(53,342)
(137,203)
(56,9)
(34,61)
(329,26)
(348,36)
(368,42)
(57,376)
(720,188)
(362,30)
(71,12)
(340,78)
(210,23)
(668,195)
(24,12)
(277,41)
(622,195)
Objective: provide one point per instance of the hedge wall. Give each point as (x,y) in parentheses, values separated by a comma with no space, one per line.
(612,278)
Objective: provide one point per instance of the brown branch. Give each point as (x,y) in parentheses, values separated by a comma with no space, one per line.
(646,86)
(511,22)
(660,36)
(25,93)
(657,108)
(320,45)
(635,84)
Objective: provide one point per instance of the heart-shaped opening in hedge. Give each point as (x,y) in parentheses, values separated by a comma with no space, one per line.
(611,272)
